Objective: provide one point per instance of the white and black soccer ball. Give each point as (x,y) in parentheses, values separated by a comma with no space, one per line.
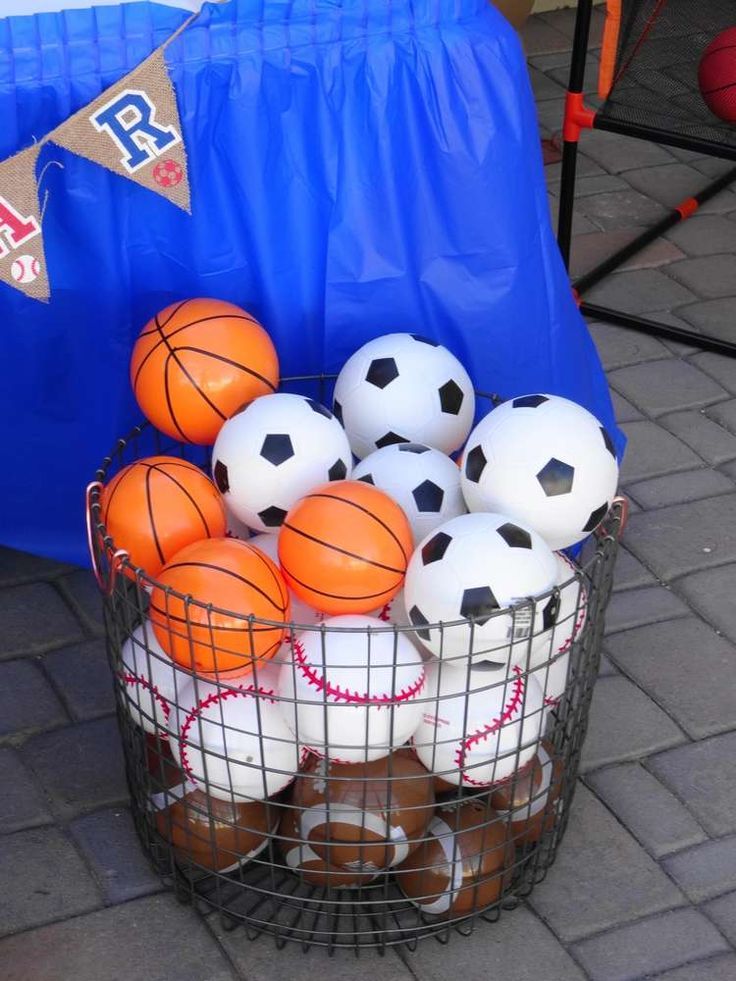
(273,452)
(544,461)
(403,388)
(423,481)
(470,569)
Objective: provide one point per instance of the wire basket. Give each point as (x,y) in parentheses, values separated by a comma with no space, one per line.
(408,804)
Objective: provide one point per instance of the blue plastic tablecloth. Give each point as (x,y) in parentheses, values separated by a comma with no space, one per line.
(356,168)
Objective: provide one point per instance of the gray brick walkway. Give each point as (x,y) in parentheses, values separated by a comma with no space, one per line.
(645,882)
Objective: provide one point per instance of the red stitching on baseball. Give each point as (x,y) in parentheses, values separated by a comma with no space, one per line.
(212,699)
(583,608)
(578,625)
(480,735)
(385,613)
(551,701)
(134,679)
(353,697)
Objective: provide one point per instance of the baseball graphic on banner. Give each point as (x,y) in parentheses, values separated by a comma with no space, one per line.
(22,261)
(25,269)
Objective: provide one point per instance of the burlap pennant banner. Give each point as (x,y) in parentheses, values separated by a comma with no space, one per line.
(134,130)
(22,259)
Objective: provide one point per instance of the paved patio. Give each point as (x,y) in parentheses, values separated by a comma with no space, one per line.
(645,883)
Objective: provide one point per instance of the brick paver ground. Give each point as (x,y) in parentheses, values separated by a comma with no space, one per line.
(645,882)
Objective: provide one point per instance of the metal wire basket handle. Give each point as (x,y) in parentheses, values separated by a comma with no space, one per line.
(117,558)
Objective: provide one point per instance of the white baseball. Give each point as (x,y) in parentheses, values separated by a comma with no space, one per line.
(356,692)
(25,269)
(571,616)
(152,681)
(552,679)
(233,739)
(475,731)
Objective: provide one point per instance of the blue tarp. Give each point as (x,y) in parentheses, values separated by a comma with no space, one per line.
(356,168)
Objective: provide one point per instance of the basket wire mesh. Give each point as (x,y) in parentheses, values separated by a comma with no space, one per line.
(348,854)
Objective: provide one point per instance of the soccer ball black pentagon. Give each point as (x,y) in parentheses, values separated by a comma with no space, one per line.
(547,462)
(472,567)
(423,481)
(400,389)
(274,452)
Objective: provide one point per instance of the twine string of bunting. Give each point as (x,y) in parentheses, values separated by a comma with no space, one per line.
(132,129)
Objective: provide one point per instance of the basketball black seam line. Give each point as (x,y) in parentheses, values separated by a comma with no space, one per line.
(197,389)
(170,407)
(157,328)
(343,551)
(235,364)
(171,462)
(149,506)
(342,500)
(721,88)
(169,617)
(123,475)
(177,308)
(339,596)
(186,493)
(263,557)
(227,572)
(200,320)
(178,330)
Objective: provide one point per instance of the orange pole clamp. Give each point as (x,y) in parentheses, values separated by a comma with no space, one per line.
(577,117)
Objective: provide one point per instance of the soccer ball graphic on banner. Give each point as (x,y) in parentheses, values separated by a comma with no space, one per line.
(403,388)
(470,569)
(545,461)
(273,452)
(422,480)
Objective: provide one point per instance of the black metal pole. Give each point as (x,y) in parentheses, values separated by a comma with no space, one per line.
(570,147)
(644,326)
(678,214)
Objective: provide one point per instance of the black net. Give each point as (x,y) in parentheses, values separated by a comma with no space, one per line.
(655,79)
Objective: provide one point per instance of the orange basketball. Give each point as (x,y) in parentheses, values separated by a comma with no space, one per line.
(344,547)
(156,506)
(196,363)
(234,577)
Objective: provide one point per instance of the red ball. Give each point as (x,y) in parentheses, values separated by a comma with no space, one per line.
(717,76)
